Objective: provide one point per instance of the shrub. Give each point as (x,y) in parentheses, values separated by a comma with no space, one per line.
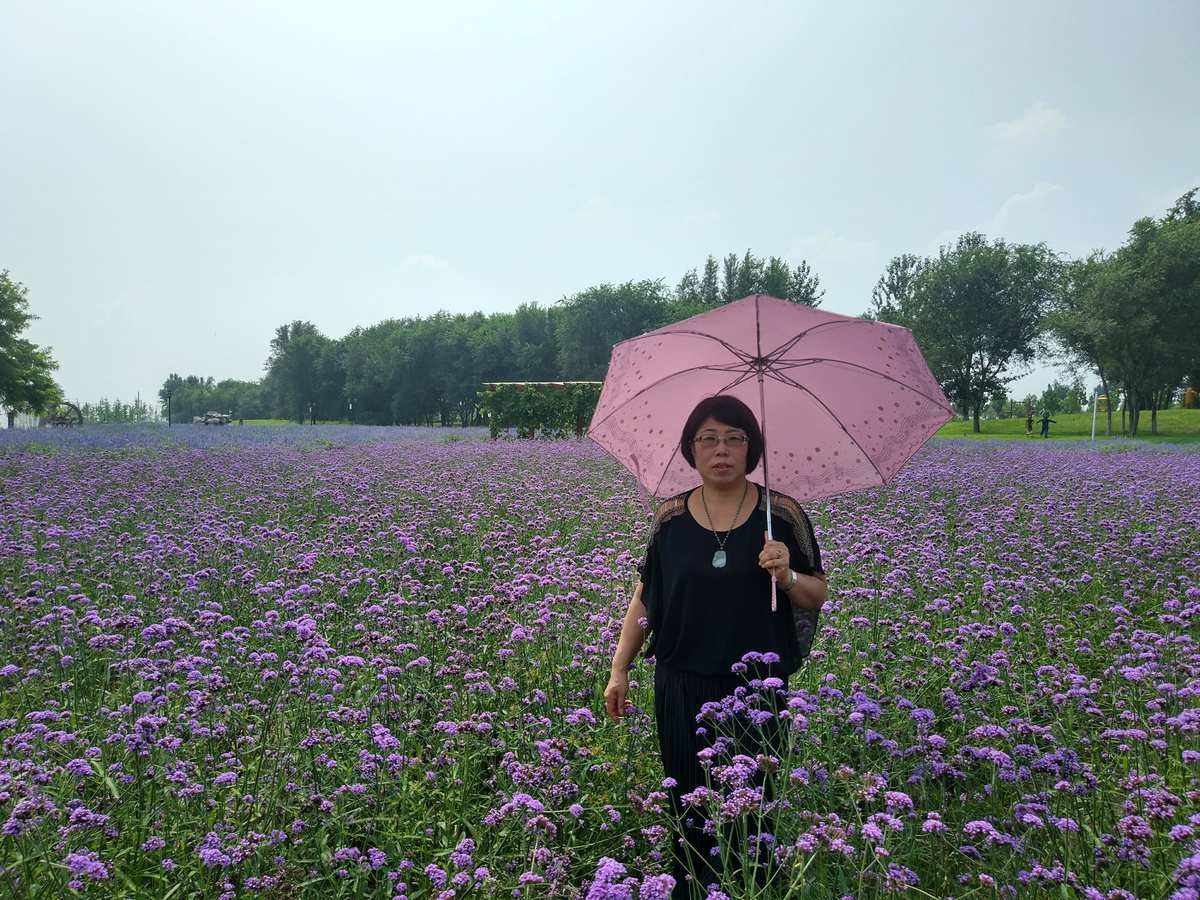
(551,409)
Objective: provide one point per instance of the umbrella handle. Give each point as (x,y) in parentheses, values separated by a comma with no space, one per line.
(770,538)
(762,412)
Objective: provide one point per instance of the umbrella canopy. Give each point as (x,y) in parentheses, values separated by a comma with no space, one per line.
(843,402)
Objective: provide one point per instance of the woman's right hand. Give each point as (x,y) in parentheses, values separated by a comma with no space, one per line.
(615,694)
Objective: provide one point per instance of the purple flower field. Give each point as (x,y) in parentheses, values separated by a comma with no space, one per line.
(369,662)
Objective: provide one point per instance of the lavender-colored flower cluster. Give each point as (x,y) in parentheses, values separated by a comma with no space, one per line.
(303,662)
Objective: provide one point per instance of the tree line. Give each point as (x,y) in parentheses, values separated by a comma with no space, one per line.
(981,309)
(426,370)
(1133,315)
(109,412)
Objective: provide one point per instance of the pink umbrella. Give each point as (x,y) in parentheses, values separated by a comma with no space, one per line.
(848,401)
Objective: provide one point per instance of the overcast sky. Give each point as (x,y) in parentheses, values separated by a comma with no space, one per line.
(177,179)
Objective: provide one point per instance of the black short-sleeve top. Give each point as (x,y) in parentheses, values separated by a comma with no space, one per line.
(702,618)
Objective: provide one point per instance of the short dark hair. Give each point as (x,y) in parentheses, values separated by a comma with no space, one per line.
(728,410)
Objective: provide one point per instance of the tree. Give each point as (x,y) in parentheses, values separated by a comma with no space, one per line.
(729,286)
(1185,209)
(749,276)
(421,392)
(26,384)
(895,287)
(998,403)
(1132,314)
(710,288)
(1076,396)
(591,321)
(241,399)
(688,289)
(116,412)
(1162,258)
(976,311)
(191,396)
(372,360)
(535,343)
(1078,322)
(806,286)
(330,385)
(752,275)
(293,368)
(1054,398)
(777,279)
(458,370)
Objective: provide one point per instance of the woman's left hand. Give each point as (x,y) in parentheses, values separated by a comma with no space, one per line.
(775,558)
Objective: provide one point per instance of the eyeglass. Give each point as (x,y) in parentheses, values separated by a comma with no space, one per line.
(736,441)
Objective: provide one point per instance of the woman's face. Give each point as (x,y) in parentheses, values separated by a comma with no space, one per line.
(725,462)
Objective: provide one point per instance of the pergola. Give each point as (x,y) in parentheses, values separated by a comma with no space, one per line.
(521,384)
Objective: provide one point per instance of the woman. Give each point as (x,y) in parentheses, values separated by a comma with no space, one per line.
(705,590)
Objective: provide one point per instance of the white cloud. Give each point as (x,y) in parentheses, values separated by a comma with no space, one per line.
(1024,216)
(1039,122)
(1019,205)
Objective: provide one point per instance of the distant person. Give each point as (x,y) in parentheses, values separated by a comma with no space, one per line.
(1029,425)
(1046,420)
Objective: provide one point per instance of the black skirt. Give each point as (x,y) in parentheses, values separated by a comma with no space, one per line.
(678,697)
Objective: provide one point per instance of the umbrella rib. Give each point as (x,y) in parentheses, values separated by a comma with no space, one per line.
(740,354)
(633,397)
(667,467)
(746,374)
(841,362)
(784,380)
(791,342)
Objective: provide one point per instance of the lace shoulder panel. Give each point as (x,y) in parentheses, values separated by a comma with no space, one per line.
(791,512)
(668,510)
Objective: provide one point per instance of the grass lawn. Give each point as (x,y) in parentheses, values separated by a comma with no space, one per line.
(1175,426)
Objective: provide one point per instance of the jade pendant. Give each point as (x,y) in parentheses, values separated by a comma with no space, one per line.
(719,559)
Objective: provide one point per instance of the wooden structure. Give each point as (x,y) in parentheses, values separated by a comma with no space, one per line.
(64,415)
(521,384)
